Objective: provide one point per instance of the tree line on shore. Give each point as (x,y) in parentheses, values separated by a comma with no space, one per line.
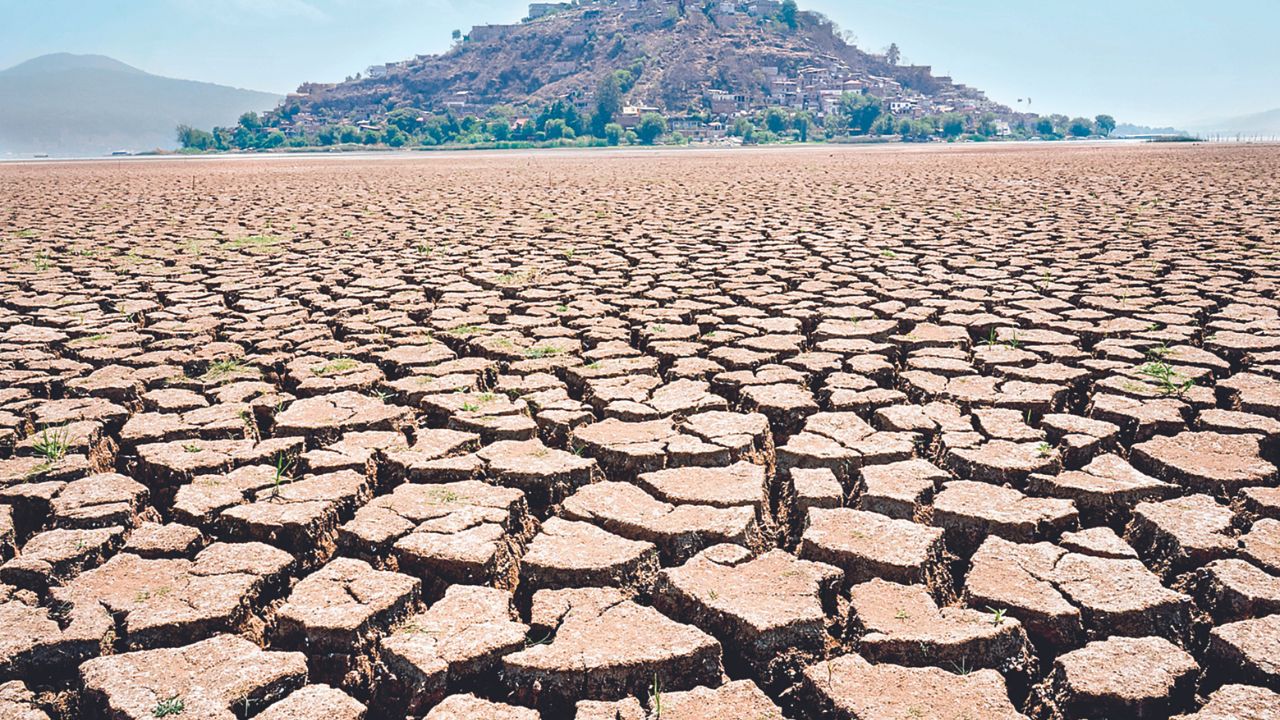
(561,123)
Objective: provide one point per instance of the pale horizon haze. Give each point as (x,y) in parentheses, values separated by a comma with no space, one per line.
(1151,63)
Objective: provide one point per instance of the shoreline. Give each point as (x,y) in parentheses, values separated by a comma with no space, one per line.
(619,151)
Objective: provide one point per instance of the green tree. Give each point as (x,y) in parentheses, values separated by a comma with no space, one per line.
(555,129)
(194,139)
(893,55)
(395,137)
(987,125)
(273,139)
(406,119)
(803,122)
(499,129)
(1106,125)
(861,110)
(1081,127)
(652,126)
(1044,127)
(953,125)
(788,14)
(251,121)
(776,119)
(608,102)
(884,125)
(614,133)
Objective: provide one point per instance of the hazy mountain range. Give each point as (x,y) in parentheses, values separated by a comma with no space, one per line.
(90,105)
(1263,124)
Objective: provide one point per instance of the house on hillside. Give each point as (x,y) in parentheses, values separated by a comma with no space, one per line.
(722,103)
(631,114)
(485,33)
(458,101)
(543,9)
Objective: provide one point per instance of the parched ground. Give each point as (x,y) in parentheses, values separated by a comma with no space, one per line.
(807,434)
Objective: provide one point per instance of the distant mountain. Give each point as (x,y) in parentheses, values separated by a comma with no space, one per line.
(1263,124)
(69,105)
(1131,130)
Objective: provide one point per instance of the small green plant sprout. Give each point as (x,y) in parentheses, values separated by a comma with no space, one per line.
(284,466)
(465,330)
(41,262)
(25,234)
(962,668)
(256,243)
(424,249)
(53,444)
(993,339)
(1044,449)
(888,254)
(470,407)
(901,615)
(443,496)
(568,253)
(192,448)
(997,616)
(1166,378)
(335,367)
(347,234)
(1013,343)
(656,696)
(531,641)
(562,308)
(169,706)
(539,353)
(87,341)
(220,370)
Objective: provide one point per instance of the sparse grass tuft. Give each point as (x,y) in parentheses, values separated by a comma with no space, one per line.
(539,353)
(53,444)
(443,496)
(335,367)
(221,370)
(263,243)
(284,466)
(169,706)
(87,341)
(1166,378)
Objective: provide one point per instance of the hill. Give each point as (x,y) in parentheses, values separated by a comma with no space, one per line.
(69,105)
(678,57)
(1263,124)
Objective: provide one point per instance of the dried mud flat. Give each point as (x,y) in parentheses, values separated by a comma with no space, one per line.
(807,434)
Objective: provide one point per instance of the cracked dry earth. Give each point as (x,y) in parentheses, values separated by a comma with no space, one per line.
(808,434)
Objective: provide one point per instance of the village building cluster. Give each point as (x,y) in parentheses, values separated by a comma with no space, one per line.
(817,89)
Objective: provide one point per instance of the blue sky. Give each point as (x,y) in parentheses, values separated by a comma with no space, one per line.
(1174,62)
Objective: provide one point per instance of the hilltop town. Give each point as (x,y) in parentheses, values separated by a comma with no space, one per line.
(734,70)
